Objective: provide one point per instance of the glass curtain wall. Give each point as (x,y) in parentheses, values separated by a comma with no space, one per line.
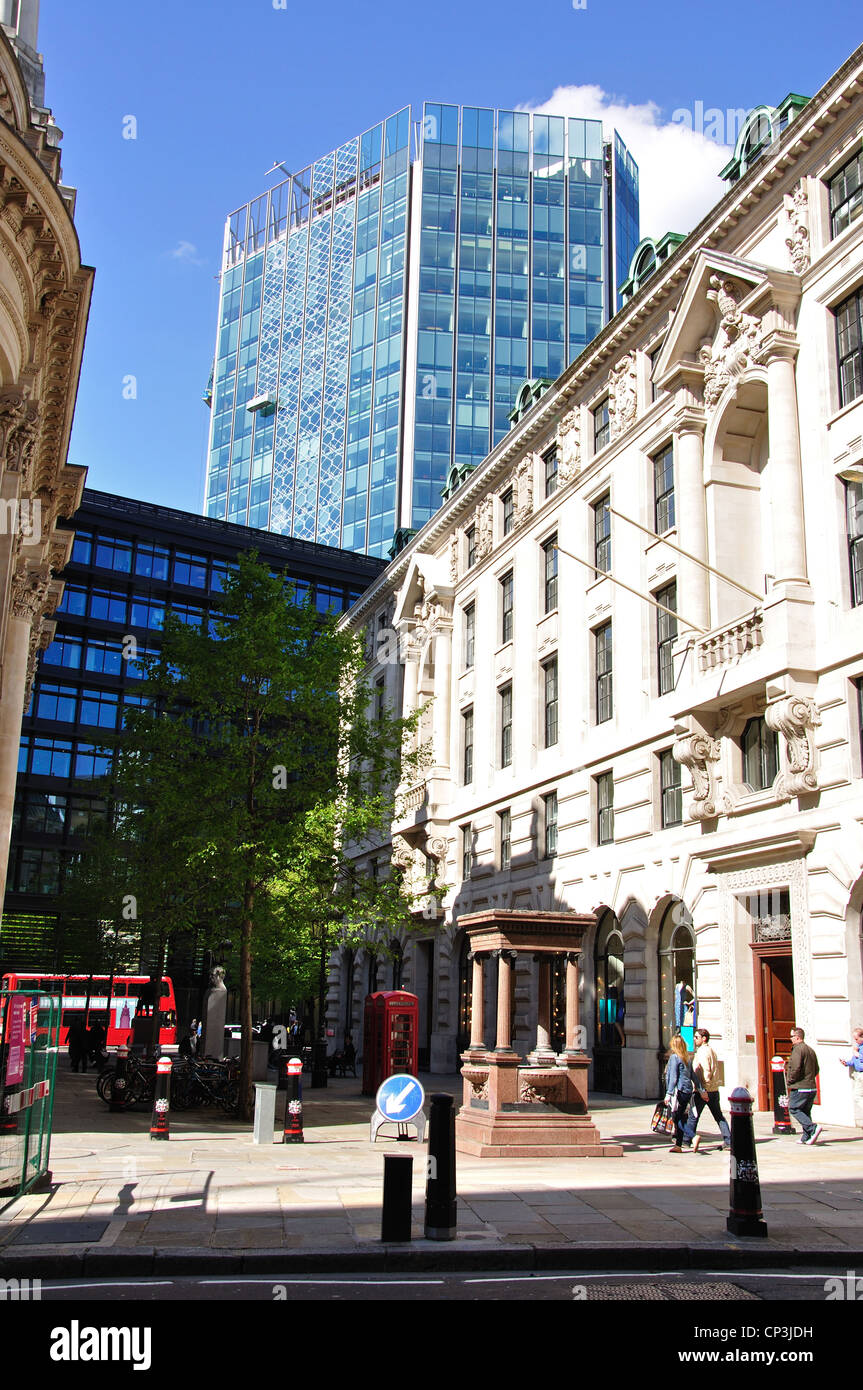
(311,320)
(518,261)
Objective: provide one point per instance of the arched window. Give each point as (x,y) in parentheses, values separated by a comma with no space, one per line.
(372,981)
(678,1004)
(646,264)
(610,1006)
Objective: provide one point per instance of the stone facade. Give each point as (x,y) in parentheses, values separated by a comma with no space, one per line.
(694,784)
(44,302)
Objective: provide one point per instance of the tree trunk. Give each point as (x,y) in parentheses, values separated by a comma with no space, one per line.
(247,1104)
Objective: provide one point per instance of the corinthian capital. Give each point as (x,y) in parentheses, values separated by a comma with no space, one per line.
(30,592)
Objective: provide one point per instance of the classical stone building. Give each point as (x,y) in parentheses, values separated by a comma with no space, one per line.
(44,301)
(637,635)
(635,631)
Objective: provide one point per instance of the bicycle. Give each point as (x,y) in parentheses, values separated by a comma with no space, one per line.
(140,1083)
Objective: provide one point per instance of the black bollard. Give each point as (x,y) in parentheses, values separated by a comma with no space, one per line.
(118,1081)
(159,1127)
(293,1130)
(744,1216)
(396,1213)
(440,1222)
(781,1119)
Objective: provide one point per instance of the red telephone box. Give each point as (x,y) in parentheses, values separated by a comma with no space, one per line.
(390,1028)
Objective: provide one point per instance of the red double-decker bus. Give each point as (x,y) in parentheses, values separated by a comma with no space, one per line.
(85,997)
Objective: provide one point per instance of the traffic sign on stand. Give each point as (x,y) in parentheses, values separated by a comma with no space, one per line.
(399,1101)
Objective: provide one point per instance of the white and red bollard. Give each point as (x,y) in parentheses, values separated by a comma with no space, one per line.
(159,1128)
(118,1081)
(293,1131)
(744,1216)
(781,1119)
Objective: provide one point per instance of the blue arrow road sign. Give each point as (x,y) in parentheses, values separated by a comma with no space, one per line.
(400,1098)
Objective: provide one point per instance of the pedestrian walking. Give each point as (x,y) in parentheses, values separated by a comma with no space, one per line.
(678,1088)
(78,1044)
(855,1072)
(96,1040)
(705,1072)
(801,1073)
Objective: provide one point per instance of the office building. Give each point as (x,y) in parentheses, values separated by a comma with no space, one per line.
(380,310)
(130,562)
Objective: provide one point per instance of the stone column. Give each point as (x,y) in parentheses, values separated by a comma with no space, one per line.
(477,1002)
(691,515)
(786,481)
(14,674)
(543,1054)
(572,1026)
(506,962)
(442,694)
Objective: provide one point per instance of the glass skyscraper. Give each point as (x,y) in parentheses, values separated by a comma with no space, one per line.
(380,310)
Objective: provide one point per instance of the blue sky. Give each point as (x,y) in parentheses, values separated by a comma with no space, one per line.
(220,89)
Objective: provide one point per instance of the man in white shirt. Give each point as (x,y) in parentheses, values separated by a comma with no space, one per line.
(705,1068)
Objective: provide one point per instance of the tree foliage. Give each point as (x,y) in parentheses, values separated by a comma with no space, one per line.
(252,769)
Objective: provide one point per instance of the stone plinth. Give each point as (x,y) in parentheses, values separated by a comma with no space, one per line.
(541,1112)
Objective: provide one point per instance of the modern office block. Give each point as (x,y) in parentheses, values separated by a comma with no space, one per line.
(380,310)
(131,562)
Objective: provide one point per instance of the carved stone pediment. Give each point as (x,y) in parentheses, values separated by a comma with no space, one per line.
(736,345)
(727,304)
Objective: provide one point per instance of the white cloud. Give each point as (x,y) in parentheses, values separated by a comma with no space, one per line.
(678,166)
(187,252)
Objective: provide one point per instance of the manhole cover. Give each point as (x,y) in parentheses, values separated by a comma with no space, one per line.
(61,1233)
(667,1293)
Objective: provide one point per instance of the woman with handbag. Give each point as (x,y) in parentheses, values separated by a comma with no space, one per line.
(678,1088)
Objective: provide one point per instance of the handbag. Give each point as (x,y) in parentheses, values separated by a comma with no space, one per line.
(663,1121)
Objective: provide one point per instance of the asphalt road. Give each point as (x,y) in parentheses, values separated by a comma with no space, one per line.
(799,1286)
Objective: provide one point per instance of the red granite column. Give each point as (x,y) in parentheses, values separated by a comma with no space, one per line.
(477,1003)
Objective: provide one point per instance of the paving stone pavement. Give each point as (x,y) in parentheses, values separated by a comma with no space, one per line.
(211,1189)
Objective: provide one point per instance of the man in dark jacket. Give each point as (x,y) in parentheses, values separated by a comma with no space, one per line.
(801,1071)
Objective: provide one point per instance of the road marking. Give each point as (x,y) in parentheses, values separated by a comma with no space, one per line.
(113,1284)
(724,1274)
(360,1282)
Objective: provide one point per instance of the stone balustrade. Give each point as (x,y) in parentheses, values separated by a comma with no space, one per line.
(726,645)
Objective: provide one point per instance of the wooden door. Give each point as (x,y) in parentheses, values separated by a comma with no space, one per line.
(774,998)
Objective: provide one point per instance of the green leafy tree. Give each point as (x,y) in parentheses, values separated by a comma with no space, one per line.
(253,770)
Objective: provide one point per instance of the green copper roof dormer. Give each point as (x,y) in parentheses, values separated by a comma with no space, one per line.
(528,395)
(648,255)
(455,477)
(403,536)
(763,126)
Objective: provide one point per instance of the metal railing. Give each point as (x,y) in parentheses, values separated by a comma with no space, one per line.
(29,1042)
